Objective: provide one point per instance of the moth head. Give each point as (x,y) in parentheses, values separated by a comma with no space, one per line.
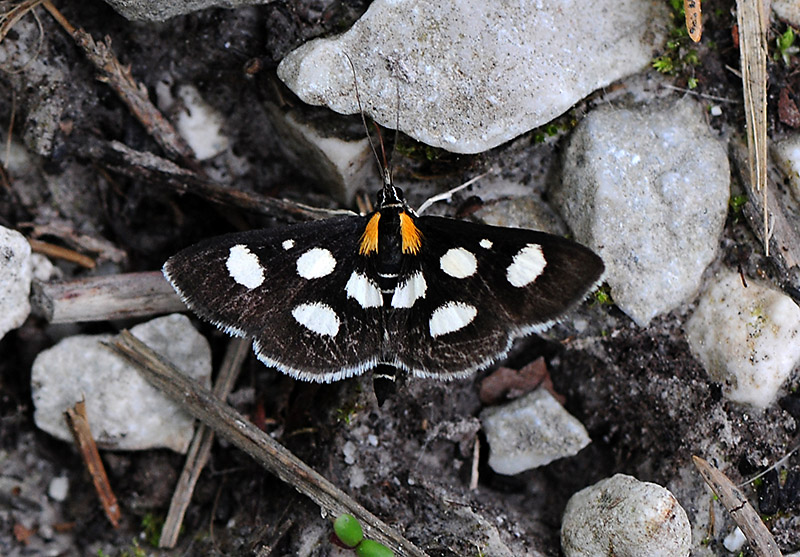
(390,196)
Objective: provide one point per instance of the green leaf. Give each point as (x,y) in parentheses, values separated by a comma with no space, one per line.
(663,64)
(348,530)
(370,548)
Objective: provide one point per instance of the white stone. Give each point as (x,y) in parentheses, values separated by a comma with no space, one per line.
(317,317)
(631,191)
(200,124)
(244,267)
(342,166)
(486,244)
(748,339)
(472,75)
(316,263)
(451,317)
(15,279)
(287,244)
(364,291)
(526,266)
(458,263)
(410,291)
(625,517)
(529,432)
(58,488)
(125,412)
(788,10)
(734,541)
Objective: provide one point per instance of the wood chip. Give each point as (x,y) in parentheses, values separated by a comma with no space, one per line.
(78,423)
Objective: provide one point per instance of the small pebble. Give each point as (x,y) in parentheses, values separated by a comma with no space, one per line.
(529,432)
(734,541)
(58,488)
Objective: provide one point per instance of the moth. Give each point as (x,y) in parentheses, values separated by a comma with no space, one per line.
(428,295)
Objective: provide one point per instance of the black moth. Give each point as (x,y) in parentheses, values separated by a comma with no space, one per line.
(433,296)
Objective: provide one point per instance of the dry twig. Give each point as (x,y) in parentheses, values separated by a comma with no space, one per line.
(151,169)
(52,250)
(78,424)
(761,541)
(200,448)
(104,297)
(752,21)
(266,451)
(783,235)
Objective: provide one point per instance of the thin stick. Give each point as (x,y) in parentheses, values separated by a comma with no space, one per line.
(761,541)
(52,250)
(105,297)
(448,194)
(266,451)
(200,449)
(78,423)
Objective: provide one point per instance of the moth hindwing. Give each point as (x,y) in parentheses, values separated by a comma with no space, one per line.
(433,296)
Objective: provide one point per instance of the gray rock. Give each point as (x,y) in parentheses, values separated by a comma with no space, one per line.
(624,517)
(472,75)
(748,339)
(788,10)
(529,432)
(15,279)
(635,190)
(124,411)
(341,166)
(161,10)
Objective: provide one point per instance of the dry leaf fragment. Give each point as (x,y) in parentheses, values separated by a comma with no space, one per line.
(694,19)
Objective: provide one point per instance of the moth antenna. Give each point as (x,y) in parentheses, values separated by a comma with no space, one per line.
(361,111)
(396,133)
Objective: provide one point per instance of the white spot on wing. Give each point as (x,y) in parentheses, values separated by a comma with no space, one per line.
(316,263)
(287,244)
(451,317)
(364,291)
(458,263)
(486,244)
(317,317)
(410,291)
(244,267)
(526,266)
